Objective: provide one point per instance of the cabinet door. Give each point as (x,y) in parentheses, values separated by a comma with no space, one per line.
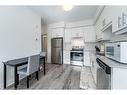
(106,16)
(77,32)
(98,28)
(116,18)
(66,57)
(89,34)
(58,32)
(67,37)
(53,33)
(87,58)
(108,11)
(119,18)
(124,16)
(118,78)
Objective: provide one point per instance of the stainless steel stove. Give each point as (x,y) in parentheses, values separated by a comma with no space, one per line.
(77,57)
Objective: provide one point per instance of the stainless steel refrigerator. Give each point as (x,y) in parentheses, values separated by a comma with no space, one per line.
(57,50)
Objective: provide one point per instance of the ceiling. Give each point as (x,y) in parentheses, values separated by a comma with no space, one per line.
(53,14)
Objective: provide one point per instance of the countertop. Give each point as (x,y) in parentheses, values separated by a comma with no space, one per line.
(111,63)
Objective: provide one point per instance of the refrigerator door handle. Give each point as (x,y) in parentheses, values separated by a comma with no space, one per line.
(60,53)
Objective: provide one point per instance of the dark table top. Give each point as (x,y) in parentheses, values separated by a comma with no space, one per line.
(18,62)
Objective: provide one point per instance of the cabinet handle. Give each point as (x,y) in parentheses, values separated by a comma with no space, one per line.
(123,19)
(119,18)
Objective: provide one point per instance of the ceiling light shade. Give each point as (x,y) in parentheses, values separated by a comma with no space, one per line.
(67,7)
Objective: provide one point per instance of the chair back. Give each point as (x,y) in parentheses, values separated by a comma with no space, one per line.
(33,64)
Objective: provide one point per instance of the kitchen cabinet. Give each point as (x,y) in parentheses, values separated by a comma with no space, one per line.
(103,26)
(106,17)
(89,34)
(77,32)
(112,15)
(67,36)
(119,19)
(66,57)
(98,28)
(72,32)
(87,58)
(57,32)
(118,78)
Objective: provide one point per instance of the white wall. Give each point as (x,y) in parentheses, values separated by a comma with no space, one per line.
(19,27)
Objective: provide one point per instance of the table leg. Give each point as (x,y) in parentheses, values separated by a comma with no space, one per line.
(4,76)
(37,75)
(27,81)
(15,77)
(44,66)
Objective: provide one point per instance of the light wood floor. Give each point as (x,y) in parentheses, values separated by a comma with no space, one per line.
(57,77)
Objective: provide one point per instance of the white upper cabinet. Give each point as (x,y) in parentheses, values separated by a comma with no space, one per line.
(67,36)
(89,34)
(119,19)
(106,17)
(98,28)
(57,32)
(77,32)
(73,32)
(103,31)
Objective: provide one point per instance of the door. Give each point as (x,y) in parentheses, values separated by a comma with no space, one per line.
(44,43)
(89,34)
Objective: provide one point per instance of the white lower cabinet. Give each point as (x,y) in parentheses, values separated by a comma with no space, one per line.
(66,57)
(119,78)
(87,58)
(89,34)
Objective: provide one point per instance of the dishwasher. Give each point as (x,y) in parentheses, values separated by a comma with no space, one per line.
(103,75)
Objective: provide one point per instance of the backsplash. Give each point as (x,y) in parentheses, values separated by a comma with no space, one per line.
(67,46)
(89,46)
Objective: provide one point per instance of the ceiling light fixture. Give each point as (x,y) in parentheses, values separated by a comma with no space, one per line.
(67,7)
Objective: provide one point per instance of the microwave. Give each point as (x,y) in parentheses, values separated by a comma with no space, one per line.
(116,51)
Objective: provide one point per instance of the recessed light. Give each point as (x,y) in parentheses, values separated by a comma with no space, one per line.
(67,7)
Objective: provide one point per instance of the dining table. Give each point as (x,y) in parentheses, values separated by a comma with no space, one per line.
(15,63)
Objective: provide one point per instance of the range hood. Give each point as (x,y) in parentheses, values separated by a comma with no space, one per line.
(77,42)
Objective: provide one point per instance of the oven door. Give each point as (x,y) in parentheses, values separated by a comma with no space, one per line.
(76,58)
